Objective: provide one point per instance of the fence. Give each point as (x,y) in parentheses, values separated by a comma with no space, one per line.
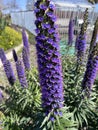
(26,19)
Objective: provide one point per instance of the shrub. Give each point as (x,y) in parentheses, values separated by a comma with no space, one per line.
(9,38)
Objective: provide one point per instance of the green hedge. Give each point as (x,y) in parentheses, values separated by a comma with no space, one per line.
(10,38)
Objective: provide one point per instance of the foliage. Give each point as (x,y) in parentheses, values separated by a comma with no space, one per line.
(80,105)
(22,104)
(93,121)
(9,38)
(55,122)
(23,111)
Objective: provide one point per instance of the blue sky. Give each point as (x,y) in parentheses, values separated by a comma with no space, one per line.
(21,3)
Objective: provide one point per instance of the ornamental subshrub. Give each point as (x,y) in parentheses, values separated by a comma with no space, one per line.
(10,38)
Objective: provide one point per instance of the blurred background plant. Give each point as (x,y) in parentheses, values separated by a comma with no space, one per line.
(10,38)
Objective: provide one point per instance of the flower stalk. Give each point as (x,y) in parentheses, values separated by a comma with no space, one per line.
(20,70)
(91,68)
(48,56)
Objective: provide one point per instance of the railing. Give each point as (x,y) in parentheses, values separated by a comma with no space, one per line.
(26,19)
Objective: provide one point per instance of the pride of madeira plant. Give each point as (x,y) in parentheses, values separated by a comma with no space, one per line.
(38,100)
(23,96)
(75,85)
(49,66)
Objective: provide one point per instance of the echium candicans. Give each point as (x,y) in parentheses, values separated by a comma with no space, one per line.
(2,55)
(7,67)
(48,56)
(26,59)
(9,72)
(81,43)
(20,70)
(70,32)
(25,40)
(91,69)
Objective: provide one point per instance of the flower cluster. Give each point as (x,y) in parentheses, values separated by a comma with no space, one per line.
(90,74)
(21,73)
(26,59)
(7,67)
(9,72)
(49,64)
(81,43)
(20,70)
(25,40)
(2,55)
(81,47)
(91,68)
(70,32)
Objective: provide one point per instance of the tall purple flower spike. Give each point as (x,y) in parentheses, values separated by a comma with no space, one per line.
(20,70)
(2,55)
(25,40)
(70,32)
(81,47)
(81,41)
(15,56)
(92,65)
(26,59)
(90,74)
(9,72)
(21,74)
(48,56)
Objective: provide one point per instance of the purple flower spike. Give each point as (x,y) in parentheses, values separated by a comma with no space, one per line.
(91,69)
(25,40)
(48,57)
(2,55)
(15,56)
(81,47)
(21,73)
(26,59)
(9,72)
(90,74)
(70,32)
